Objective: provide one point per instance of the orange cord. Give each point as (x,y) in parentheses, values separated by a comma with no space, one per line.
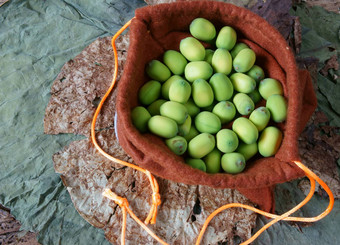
(123,203)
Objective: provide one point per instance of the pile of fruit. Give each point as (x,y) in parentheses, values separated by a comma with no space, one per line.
(202,101)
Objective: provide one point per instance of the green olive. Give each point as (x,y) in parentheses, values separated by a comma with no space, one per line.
(213,161)
(269,141)
(184,128)
(175,61)
(222,61)
(175,111)
(243,103)
(277,105)
(242,82)
(201,145)
(202,93)
(270,86)
(180,91)
(198,70)
(233,163)
(196,163)
(202,29)
(245,130)
(163,126)
(192,108)
(256,72)
(207,122)
(226,38)
(222,86)
(192,133)
(225,110)
(244,60)
(149,92)
(192,49)
(226,140)
(177,145)
(156,70)
(140,117)
(260,117)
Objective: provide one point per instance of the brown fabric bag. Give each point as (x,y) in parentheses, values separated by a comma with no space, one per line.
(161,27)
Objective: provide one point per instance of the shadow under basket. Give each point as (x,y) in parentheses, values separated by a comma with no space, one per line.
(158,28)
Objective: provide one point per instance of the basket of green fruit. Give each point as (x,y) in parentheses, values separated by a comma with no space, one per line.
(211,95)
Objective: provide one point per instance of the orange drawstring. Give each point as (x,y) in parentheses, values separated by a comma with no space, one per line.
(123,203)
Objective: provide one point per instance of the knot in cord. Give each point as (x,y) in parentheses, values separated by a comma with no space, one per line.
(121,201)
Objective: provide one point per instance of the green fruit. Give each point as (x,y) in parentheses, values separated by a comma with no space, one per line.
(208,55)
(201,145)
(277,105)
(177,145)
(260,117)
(192,108)
(222,61)
(213,161)
(140,117)
(226,140)
(226,38)
(175,111)
(243,103)
(202,29)
(192,49)
(184,128)
(247,150)
(202,93)
(244,60)
(255,96)
(222,86)
(156,70)
(207,122)
(233,163)
(237,48)
(180,91)
(175,61)
(154,107)
(245,130)
(149,92)
(256,73)
(269,141)
(196,163)
(242,82)
(192,133)
(225,110)
(163,126)
(270,86)
(166,85)
(198,70)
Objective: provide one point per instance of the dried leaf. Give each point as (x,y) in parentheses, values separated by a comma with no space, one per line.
(319,147)
(80,86)
(2,2)
(276,12)
(332,63)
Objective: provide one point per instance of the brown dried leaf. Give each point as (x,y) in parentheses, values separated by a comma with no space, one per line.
(10,232)
(2,2)
(330,5)
(80,86)
(319,147)
(331,63)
